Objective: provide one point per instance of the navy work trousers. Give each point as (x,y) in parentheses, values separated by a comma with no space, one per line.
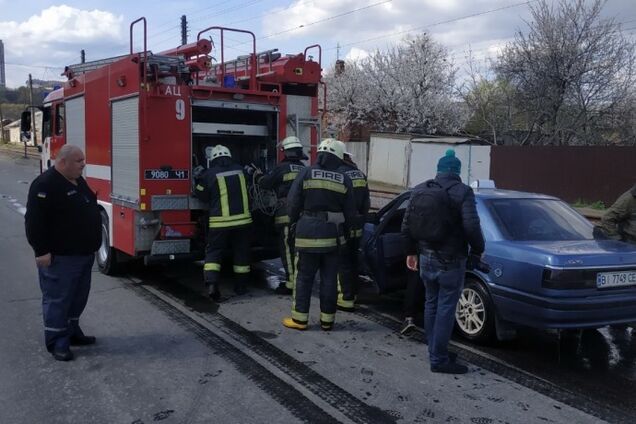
(444,282)
(65,285)
(307,266)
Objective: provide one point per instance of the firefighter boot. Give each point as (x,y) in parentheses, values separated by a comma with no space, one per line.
(326,326)
(289,322)
(214,292)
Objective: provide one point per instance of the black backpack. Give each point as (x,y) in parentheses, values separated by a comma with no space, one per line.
(430,212)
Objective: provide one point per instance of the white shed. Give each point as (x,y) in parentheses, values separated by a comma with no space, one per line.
(405,160)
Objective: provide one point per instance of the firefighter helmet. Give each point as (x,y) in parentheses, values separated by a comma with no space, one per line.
(333,146)
(291,142)
(218,151)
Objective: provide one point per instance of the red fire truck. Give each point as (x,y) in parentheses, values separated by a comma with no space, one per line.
(145,122)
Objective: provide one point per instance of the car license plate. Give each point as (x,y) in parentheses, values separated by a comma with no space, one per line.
(615,279)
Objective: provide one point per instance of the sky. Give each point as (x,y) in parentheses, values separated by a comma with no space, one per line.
(42,36)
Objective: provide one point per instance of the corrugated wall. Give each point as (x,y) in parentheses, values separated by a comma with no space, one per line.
(589,173)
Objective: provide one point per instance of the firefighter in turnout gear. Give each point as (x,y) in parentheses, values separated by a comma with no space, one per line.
(280,180)
(348,275)
(322,208)
(223,186)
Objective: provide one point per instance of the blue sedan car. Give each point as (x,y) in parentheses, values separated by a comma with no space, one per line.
(547,271)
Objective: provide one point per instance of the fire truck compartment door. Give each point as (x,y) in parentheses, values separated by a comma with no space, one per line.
(125,133)
(75,123)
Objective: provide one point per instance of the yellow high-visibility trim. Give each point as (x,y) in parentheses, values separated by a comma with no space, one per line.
(216,218)
(290,176)
(241,269)
(324,185)
(355,233)
(212,266)
(327,317)
(359,183)
(283,219)
(299,316)
(200,187)
(227,224)
(246,208)
(225,207)
(293,283)
(326,242)
(288,256)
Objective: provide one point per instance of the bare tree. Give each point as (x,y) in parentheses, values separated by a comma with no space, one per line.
(569,72)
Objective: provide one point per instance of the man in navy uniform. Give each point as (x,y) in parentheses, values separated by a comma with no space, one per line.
(63,225)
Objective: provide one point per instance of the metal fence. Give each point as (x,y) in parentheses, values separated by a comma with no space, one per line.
(585,173)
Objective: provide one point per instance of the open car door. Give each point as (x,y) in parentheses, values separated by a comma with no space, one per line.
(384,246)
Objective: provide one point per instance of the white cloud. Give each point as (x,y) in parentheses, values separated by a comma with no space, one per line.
(54,38)
(356,54)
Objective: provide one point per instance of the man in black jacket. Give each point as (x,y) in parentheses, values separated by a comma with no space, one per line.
(442,264)
(280,180)
(348,276)
(223,186)
(322,207)
(63,225)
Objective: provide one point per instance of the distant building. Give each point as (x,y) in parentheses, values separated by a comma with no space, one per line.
(3,80)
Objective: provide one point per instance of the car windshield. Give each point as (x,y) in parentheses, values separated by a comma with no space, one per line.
(538,220)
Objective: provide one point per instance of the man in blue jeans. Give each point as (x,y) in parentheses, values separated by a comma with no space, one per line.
(442,260)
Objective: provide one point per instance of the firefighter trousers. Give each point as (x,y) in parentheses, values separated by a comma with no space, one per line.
(286,250)
(219,241)
(307,265)
(65,285)
(348,273)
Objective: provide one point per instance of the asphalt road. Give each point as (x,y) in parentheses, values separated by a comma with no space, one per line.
(165,353)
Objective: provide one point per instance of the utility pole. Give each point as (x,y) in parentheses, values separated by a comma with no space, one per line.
(184,30)
(33,126)
(338,51)
(82,56)
(1,125)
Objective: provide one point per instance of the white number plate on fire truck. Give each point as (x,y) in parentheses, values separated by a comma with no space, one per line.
(160,174)
(615,279)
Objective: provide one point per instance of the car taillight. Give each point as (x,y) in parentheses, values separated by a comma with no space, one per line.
(564,279)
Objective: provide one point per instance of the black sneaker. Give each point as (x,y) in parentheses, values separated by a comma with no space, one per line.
(452,356)
(282,289)
(82,340)
(64,355)
(450,368)
(408,326)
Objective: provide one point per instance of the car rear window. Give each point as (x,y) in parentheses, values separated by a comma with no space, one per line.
(538,220)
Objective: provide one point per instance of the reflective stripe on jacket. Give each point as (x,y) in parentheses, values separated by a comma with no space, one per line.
(316,192)
(225,189)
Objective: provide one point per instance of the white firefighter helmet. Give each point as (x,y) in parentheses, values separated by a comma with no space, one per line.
(333,146)
(218,151)
(291,142)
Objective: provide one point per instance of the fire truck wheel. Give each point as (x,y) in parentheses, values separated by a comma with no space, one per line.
(106,255)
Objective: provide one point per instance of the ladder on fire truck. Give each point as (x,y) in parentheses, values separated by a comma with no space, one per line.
(243,62)
(162,63)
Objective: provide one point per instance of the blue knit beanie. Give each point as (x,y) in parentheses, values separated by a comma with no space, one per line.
(449,163)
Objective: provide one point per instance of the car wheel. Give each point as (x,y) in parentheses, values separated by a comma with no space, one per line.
(106,255)
(475,314)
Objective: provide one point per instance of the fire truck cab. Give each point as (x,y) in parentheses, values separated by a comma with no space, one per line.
(145,122)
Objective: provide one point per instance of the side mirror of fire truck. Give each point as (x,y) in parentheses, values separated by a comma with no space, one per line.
(25,121)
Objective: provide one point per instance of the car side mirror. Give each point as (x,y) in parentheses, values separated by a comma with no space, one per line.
(39,147)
